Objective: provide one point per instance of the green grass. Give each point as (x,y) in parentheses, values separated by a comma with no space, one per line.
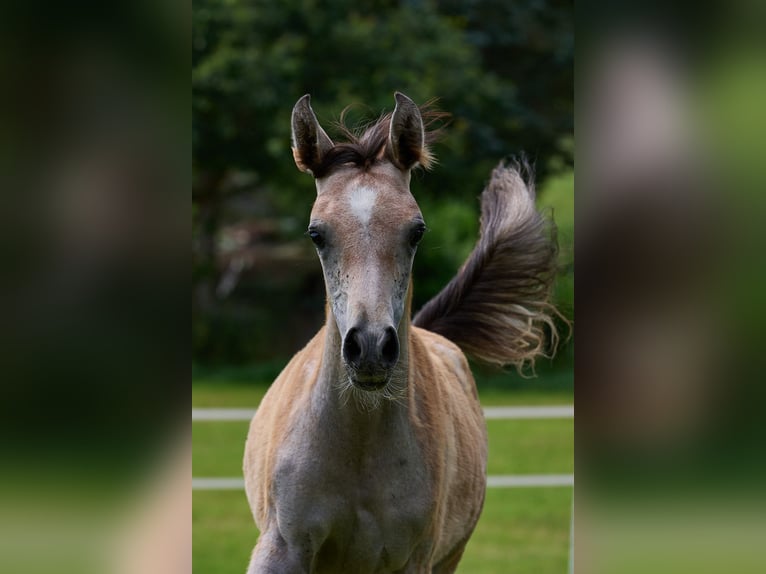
(208,393)
(524,530)
(218,448)
(223,532)
(531,446)
(493,397)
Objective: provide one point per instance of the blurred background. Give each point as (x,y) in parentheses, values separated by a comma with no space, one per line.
(671,180)
(504,73)
(94,234)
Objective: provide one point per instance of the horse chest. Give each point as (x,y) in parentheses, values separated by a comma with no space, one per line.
(354,505)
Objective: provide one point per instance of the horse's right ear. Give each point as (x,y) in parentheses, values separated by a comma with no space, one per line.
(310,142)
(406,137)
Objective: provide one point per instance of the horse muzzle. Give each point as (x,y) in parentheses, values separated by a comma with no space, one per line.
(370,354)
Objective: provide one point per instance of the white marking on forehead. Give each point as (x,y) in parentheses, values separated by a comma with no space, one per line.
(361,200)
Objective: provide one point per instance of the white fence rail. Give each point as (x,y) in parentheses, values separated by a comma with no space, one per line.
(504,413)
(493,481)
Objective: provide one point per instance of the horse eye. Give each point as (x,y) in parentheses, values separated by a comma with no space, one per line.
(417,234)
(316,237)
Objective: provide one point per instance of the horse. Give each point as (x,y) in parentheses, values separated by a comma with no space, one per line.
(368,453)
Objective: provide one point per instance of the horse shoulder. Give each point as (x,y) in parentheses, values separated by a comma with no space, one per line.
(446,393)
(272,422)
(449,369)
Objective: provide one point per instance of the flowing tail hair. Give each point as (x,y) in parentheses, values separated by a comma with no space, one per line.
(497,307)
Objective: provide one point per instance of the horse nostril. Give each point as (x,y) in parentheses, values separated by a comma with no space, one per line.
(352,348)
(371,350)
(389,349)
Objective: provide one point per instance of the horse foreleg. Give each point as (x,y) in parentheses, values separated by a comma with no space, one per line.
(272,555)
(449,563)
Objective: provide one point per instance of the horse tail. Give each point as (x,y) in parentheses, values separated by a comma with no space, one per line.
(497,307)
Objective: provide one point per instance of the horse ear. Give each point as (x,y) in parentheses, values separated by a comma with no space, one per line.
(406,136)
(310,142)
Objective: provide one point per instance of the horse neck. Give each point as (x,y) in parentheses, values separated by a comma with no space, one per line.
(332,371)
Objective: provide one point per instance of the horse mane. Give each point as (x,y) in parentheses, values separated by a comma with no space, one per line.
(365,145)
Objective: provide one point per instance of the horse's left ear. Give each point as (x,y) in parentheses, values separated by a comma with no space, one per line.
(310,142)
(406,136)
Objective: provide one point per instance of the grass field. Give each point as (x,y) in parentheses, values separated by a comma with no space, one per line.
(521,529)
